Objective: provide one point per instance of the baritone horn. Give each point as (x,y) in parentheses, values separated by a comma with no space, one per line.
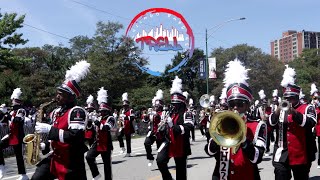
(204,101)
(228,129)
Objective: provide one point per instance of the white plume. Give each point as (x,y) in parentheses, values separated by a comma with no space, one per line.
(154,101)
(125,96)
(288,76)
(16,93)
(212,98)
(159,94)
(275,93)
(90,99)
(190,101)
(185,94)
(261,94)
(279,99)
(256,102)
(78,71)
(223,93)
(102,96)
(301,95)
(235,73)
(313,89)
(176,86)
(3,108)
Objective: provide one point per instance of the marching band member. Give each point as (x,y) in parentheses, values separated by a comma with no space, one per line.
(292,126)
(5,118)
(127,115)
(190,118)
(103,142)
(243,162)
(261,114)
(89,133)
(212,102)
(203,119)
(177,143)
(154,118)
(16,133)
(316,103)
(67,132)
(302,98)
(223,100)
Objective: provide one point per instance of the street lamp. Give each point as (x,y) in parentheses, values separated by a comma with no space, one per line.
(216,28)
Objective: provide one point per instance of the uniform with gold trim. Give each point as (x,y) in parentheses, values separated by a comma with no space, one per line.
(244,162)
(67,131)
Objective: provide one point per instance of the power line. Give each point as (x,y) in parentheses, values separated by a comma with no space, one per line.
(106,12)
(46,31)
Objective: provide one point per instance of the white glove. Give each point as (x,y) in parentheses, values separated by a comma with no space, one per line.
(169,121)
(5,137)
(42,146)
(42,127)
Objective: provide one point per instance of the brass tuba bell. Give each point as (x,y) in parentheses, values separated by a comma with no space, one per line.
(228,129)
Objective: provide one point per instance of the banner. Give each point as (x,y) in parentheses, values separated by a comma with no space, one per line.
(202,69)
(212,68)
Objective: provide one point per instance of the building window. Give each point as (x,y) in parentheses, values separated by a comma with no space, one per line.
(294,47)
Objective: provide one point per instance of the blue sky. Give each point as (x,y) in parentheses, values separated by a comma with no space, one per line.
(265,20)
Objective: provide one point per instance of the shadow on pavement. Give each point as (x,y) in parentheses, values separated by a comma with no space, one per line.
(315,178)
(199,157)
(266,159)
(117,162)
(174,167)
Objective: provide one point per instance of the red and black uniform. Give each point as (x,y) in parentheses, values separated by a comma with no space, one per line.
(177,146)
(291,146)
(67,141)
(16,134)
(189,117)
(90,133)
(103,146)
(203,123)
(153,134)
(317,129)
(244,162)
(127,130)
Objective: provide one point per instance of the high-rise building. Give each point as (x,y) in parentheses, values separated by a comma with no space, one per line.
(292,43)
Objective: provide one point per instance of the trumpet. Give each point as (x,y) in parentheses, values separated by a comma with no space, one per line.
(228,129)
(33,140)
(285,105)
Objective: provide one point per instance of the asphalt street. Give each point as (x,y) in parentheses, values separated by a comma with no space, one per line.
(200,166)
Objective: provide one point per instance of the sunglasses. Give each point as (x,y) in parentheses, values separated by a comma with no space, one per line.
(237,103)
(315,98)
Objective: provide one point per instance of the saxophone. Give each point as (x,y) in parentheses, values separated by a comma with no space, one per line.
(33,140)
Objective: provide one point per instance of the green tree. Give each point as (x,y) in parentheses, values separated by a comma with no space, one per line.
(9,38)
(265,72)
(307,68)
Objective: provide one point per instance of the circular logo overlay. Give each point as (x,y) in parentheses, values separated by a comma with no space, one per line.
(161,31)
